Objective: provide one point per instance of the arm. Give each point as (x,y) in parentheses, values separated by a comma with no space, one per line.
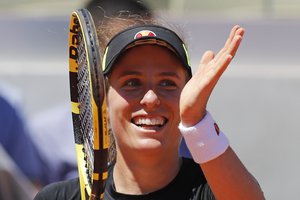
(226,175)
(229,179)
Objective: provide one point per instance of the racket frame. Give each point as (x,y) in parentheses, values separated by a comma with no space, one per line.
(82,23)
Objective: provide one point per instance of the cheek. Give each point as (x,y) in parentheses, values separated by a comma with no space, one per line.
(173,99)
(175,108)
(114,103)
(170,103)
(118,108)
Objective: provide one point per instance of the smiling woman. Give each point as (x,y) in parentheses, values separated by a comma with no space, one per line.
(154,100)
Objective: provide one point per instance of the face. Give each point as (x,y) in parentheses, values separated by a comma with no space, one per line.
(143,100)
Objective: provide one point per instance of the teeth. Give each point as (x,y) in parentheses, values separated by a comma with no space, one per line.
(158,121)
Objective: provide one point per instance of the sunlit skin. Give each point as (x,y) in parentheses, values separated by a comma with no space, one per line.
(146,84)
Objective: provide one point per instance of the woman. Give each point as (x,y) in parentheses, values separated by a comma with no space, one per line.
(153,100)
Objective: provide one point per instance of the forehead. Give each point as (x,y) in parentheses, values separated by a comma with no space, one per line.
(148,55)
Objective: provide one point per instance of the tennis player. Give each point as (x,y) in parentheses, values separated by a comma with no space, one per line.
(154,101)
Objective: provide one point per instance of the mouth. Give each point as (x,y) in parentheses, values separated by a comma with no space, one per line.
(149,123)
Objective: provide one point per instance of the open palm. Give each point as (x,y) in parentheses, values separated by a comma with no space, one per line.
(195,94)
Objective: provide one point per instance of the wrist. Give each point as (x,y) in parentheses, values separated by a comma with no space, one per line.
(204,140)
(192,121)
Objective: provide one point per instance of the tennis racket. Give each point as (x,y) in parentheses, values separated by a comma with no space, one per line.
(88,100)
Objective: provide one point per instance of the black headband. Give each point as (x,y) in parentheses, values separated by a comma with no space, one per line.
(137,35)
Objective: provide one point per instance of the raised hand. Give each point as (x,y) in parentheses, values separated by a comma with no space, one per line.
(195,94)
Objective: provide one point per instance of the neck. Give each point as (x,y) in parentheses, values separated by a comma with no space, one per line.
(148,174)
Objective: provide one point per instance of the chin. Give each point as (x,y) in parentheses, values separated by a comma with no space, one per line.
(150,145)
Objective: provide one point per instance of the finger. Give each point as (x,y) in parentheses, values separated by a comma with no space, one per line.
(231,35)
(207,57)
(225,58)
(222,65)
(232,43)
(240,31)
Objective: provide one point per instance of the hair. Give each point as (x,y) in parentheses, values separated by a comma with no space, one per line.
(100,9)
(113,25)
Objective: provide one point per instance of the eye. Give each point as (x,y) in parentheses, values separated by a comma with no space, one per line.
(168,84)
(131,83)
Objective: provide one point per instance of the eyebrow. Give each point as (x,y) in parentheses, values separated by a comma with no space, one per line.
(170,73)
(137,73)
(129,73)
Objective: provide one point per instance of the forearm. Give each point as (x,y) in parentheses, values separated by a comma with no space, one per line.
(225,173)
(229,179)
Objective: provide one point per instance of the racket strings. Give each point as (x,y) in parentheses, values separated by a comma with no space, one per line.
(112,153)
(85,115)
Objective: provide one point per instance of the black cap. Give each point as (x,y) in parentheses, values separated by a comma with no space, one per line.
(145,34)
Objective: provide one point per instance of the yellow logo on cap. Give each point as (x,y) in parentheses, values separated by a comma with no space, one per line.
(144,33)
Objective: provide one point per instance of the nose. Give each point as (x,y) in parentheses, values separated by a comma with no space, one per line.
(150,99)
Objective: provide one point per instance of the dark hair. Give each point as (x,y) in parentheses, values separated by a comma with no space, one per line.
(102,9)
(109,27)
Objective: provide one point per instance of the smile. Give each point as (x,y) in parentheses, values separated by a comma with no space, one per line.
(148,122)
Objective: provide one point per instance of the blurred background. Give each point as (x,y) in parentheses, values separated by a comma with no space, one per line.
(257,101)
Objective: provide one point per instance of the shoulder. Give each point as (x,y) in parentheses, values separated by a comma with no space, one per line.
(68,189)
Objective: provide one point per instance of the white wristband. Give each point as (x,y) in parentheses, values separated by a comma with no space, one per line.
(204,140)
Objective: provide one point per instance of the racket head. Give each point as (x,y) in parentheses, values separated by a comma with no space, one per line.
(88,102)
